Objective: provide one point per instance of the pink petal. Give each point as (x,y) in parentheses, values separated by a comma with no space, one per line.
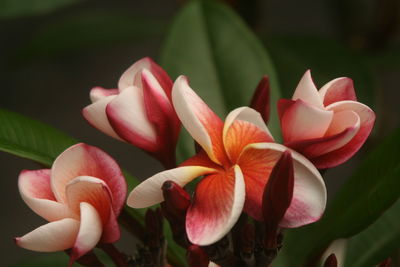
(243,126)
(98,93)
(339,89)
(261,98)
(199,120)
(90,190)
(307,91)
(309,193)
(85,160)
(54,236)
(345,125)
(96,115)
(302,121)
(127,115)
(367,120)
(149,192)
(111,232)
(90,231)
(132,75)
(216,207)
(35,189)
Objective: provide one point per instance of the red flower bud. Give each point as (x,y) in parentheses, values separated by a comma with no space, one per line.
(197,257)
(331,261)
(261,98)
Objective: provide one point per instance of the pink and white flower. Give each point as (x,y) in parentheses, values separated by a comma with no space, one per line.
(81,197)
(326,126)
(139,111)
(236,160)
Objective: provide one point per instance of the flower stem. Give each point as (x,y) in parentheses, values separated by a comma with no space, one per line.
(118,258)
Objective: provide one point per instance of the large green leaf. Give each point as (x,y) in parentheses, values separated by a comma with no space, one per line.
(327,59)
(222,58)
(17,8)
(31,139)
(377,242)
(372,189)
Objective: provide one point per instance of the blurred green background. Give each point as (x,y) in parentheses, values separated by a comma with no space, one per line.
(54,51)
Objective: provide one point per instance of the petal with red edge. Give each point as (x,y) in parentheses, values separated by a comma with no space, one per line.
(149,192)
(339,89)
(307,91)
(90,190)
(216,206)
(309,192)
(96,115)
(367,120)
(90,231)
(127,115)
(302,121)
(199,120)
(35,189)
(243,126)
(85,160)
(98,93)
(111,232)
(54,236)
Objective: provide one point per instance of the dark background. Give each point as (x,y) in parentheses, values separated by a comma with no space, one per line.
(49,62)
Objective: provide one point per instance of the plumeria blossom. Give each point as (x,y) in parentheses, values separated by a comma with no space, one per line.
(327,126)
(139,111)
(236,160)
(81,197)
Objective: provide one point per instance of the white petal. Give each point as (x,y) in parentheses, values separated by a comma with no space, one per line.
(307,91)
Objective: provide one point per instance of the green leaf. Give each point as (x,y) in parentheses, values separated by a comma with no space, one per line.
(372,189)
(31,139)
(18,8)
(222,58)
(79,32)
(327,58)
(377,242)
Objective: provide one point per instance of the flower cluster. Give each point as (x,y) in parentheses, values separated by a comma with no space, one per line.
(239,165)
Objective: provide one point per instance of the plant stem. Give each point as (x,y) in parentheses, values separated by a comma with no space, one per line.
(118,258)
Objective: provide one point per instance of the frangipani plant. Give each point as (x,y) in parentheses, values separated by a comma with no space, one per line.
(237,192)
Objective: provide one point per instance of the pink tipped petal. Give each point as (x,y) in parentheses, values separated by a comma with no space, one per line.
(243,126)
(85,160)
(149,192)
(98,93)
(261,98)
(90,190)
(200,121)
(339,89)
(54,236)
(307,91)
(302,121)
(35,189)
(127,115)
(367,120)
(309,193)
(90,231)
(95,114)
(216,207)
(111,232)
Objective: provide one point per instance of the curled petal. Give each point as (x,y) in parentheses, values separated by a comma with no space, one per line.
(96,115)
(54,236)
(149,192)
(243,126)
(200,121)
(216,207)
(339,89)
(98,93)
(309,192)
(85,160)
(367,120)
(307,91)
(35,189)
(127,116)
(90,231)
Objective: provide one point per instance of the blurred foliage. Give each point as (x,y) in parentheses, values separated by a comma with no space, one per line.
(19,8)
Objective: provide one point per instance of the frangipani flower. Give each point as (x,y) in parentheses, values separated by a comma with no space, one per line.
(139,111)
(81,197)
(236,161)
(327,126)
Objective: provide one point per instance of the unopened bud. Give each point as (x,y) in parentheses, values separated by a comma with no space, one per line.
(261,98)
(197,257)
(331,261)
